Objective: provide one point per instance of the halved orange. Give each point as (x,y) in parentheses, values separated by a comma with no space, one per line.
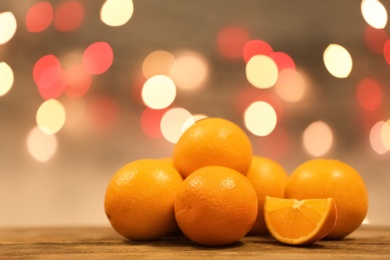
(299,222)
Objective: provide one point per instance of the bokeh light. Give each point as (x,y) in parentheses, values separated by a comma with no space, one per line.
(290,85)
(337,61)
(369,94)
(314,145)
(6,78)
(49,77)
(375,39)
(39,17)
(151,122)
(159,92)
(256,47)
(374,13)
(376,138)
(260,118)
(116,12)
(231,41)
(8,26)
(172,123)
(78,81)
(41,146)
(98,57)
(190,71)
(283,60)
(386,51)
(261,71)
(385,134)
(158,63)
(68,16)
(51,116)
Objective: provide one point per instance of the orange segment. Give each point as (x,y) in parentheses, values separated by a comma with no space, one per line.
(299,222)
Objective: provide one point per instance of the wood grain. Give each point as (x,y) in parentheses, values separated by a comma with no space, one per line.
(104,243)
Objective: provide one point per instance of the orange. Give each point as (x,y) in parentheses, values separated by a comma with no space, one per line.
(299,222)
(326,178)
(269,179)
(139,199)
(212,141)
(216,206)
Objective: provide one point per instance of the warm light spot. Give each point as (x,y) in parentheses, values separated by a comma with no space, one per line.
(376,138)
(386,51)
(151,121)
(158,63)
(375,39)
(385,134)
(276,144)
(374,13)
(159,92)
(78,81)
(190,71)
(7,26)
(317,138)
(42,147)
(39,17)
(262,71)
(283,60)
(116,12)
(103,113)
(231,41)
(98,57)
(6,78)
(172,123)
(338,61)
(290,85)
(68,16)
(260,118)
(49,77)
(256,47)
(369,94)
(51,116)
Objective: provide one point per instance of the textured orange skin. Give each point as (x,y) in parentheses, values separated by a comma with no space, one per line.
(216,206)
(299,226)
(326,178)
(212,141)
(139,199)
(269,179)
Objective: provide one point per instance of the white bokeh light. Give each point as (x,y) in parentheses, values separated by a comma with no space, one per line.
(260,118)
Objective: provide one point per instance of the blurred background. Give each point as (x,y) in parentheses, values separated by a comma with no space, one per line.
(88,86)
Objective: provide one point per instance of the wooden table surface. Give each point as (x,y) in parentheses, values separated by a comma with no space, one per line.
(103,243)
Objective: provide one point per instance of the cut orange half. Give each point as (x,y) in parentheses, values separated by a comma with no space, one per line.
(299,222)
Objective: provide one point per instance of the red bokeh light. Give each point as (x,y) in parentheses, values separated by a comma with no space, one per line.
(49,77)
(375,39)
(256,47)
(98,57)
(78,81)
(69,16)
(369,94)
(276,144)
(151,120)
(283,60)
(103,112)
(39,17)
(231,40)
(386,51)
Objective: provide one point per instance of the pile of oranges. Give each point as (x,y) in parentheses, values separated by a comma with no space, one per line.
(215,191)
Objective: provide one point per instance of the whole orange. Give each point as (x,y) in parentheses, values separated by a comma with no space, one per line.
(212,141)
(268,178)
(216,206)
(326,178)
(139,199)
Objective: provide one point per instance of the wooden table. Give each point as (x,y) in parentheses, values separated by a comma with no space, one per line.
(103,243)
